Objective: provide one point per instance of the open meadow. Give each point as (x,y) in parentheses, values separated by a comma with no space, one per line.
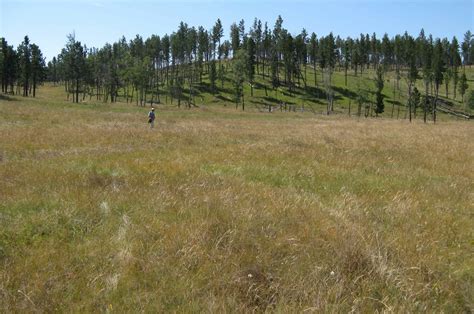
(220,210)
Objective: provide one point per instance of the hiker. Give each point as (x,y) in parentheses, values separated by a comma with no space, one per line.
(151,118)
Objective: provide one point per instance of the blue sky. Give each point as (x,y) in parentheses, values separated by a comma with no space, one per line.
(95,22)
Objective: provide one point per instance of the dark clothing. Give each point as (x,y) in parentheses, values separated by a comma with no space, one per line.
(151,116)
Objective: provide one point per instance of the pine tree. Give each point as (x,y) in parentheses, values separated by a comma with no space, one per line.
(235,38)
(74,59)
(217,33)
(438,69)
(470,100)
(415,100)
(427,72)
(455,60)
(24,53)
(463,86)
(466,48)
(274,69)
(412,77)
(37,67)
(379,84)
(238,77)
(250,66)
(387,51)
(346,52)
(313,55)
(213,76)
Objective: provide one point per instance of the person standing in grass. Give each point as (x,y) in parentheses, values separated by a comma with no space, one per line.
(151,118)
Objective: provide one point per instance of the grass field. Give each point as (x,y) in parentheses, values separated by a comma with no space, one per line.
(221,210)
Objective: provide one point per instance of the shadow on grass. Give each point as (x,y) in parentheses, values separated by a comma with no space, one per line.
(394,102)
(220,97)
(270,99)
(7,98)
(345,92)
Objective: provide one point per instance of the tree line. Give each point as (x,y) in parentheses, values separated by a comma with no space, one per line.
(144,70)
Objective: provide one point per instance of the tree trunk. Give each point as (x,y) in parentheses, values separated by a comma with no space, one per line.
(434,103)
(409,100)
(34,87)
(345,76)
(315,75)
(77,90)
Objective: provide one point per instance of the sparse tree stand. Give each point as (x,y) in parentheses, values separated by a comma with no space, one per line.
(176,63)
(74,58)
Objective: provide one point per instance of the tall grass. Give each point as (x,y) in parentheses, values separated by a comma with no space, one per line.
(217,210)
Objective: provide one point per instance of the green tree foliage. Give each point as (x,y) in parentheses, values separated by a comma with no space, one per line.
(24,54)
(213,76)
(470,100)
(463,85)
(414,100)
(379,84)
(346,53)
(238,76)
(467,48)
(9,67)
(250,65)
(74,56)
(217,33)
(313,54)
(437,69)
(37,67)
(235,37)
(142,69)
(24,67)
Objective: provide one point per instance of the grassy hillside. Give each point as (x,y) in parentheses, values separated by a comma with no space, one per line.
(312,97)
(222,210)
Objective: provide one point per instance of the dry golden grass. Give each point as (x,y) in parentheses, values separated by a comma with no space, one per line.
(216,210)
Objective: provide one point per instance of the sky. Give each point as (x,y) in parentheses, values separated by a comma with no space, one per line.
(96,22)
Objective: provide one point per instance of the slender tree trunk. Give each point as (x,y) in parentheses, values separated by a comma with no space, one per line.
(315,75)
(345,76)
(409,100)
(435,103)
(34,87)
(77,90)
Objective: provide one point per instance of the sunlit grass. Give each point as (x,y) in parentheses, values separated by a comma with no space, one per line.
(219,210)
